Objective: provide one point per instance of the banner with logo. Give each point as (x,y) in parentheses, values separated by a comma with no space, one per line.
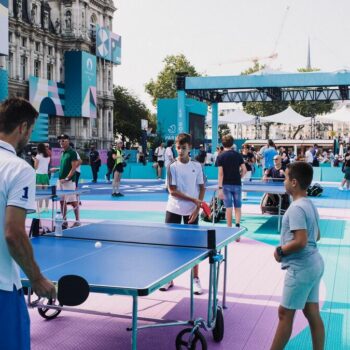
(80,84)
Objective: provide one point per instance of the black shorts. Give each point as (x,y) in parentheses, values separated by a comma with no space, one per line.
(160,163)
(119,167)
(172,218)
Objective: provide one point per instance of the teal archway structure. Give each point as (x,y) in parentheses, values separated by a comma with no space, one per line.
(263,87)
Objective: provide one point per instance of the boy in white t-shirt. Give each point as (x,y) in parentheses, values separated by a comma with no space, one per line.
(186,193)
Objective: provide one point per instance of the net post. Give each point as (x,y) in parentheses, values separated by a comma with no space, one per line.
(211,243)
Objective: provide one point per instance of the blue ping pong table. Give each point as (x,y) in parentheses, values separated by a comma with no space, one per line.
(136,260)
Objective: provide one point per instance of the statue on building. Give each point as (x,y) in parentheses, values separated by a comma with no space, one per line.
(46,20)
(33,14)
(19,8)
(68,20)
(58,26)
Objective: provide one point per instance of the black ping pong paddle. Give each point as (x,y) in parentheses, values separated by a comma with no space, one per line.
(73,290)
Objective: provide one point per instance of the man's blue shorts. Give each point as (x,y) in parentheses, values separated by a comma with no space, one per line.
(14,321)
(302,286)
(232,194)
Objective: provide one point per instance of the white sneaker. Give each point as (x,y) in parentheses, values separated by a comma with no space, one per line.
(76,224)
(197,288)
(340,188)
(167,286)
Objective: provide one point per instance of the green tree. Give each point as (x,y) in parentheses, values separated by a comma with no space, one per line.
(223,130)
(263,109)
(164,86)
(128,112)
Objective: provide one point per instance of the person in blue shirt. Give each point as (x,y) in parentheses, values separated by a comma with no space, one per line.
(268,154)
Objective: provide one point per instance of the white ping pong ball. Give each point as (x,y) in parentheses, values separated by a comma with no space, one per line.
(98,245)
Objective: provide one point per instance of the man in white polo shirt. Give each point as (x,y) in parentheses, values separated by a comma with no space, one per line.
(17,197)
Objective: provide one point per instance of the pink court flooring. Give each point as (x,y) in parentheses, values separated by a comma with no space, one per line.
(255,283)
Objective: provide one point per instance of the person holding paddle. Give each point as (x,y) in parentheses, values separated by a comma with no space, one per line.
(186,193)
(17,197)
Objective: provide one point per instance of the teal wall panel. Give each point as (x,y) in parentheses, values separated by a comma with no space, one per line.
(3,85)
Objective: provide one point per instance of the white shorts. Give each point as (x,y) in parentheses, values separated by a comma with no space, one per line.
(70,186)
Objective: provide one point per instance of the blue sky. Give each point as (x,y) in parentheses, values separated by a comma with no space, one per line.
(221,37)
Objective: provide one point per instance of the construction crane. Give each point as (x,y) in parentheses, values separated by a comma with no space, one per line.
(270,57)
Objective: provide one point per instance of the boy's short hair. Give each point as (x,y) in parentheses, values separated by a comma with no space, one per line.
(302,172)
(184,138)
(227,141)
(15,111)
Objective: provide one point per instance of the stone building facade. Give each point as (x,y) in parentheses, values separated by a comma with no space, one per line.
(40,31)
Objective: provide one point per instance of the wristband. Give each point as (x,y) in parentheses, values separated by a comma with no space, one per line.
(67,179)
(279,251)
(220,188)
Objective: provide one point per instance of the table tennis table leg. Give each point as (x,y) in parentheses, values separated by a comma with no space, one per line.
(225,280)
(279,212)
(191,298)
(134,323)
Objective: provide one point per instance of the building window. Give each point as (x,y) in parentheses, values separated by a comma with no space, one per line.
(49,71)
(37,68)
(37,46)
(10,37)
(85,122)
(66,122)
(10,64)
(24,42)
(23,71)
(50,50)
(109,121)
(109,81)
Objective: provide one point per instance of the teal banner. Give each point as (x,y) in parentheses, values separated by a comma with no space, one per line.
(3,85)
(80,84)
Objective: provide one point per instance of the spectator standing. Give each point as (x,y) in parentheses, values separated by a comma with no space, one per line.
(110,163)
(117,170)
(160,155)
(346,170)
(249,161)
(41,166)
(268,153)
(17,198)
(309,157)
(285,160)
(201,155)
(231,170)
(95,162)
(66,179)
(78,169)
(168,158)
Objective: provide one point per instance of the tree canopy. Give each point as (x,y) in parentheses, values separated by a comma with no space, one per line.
(164,86)
(128,112)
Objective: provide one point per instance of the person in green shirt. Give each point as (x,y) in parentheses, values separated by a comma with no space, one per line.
(66,179)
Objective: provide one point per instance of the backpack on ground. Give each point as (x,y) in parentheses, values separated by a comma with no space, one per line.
(217,209)
(315,190)
(269,203)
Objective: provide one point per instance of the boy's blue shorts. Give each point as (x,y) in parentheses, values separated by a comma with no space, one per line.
(14,321)
(232,195)
(302,286)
